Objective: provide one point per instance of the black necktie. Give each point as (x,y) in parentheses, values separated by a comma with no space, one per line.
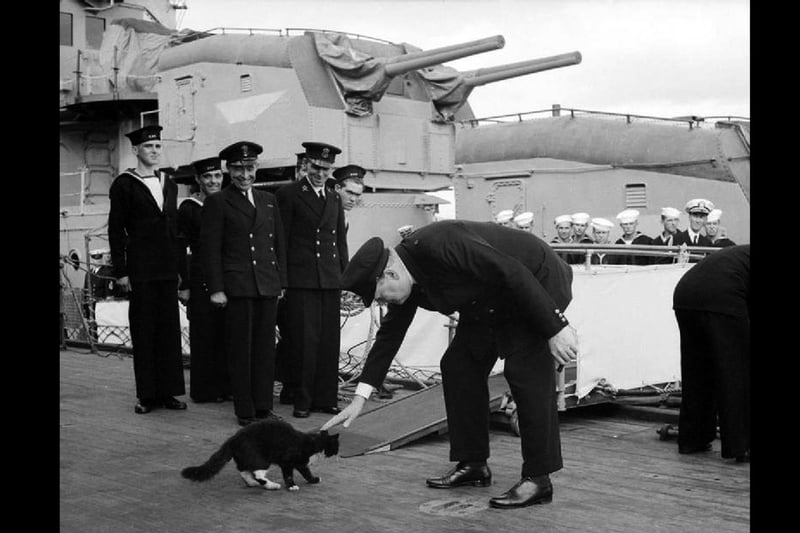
(321,196)
(694,240)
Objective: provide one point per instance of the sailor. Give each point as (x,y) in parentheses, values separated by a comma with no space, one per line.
(628,221)
(670,218)
(504,217)
(208,371)
(524,221)
(580,222)
(148,261)
(715,232)
(698,210)
(601,231)
(244,260)
(563,224)
(510,290)
(349,183)
(314,220)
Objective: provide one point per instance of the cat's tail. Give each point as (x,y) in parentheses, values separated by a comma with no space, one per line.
(211,467)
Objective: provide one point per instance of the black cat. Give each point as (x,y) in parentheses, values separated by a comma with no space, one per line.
(257,446)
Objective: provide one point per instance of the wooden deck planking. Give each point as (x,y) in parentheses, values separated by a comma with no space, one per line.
(120,473)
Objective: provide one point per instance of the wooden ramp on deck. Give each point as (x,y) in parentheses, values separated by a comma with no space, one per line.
(411,417)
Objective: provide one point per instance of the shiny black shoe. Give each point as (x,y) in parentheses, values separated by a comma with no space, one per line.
(687,449)
(171,403)
(143,407)
(527,491)
(266,413)
(245,421)
(327,410)
(301,413)
(476,474)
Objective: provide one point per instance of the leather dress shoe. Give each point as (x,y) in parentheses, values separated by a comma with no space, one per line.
(143,407)
(476,474)
(686,448)
(301,413)
(171,403)
(246,420)
(527,491)
(265,413)
(327,410)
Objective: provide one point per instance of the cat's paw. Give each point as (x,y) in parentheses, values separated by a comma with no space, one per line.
(314,479)
(293,488)
(249,480)
(271,485)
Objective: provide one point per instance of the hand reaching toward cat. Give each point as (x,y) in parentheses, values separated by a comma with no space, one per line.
(348,414)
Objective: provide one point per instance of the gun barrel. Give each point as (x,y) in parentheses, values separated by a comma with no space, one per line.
(416,60)
(483,76)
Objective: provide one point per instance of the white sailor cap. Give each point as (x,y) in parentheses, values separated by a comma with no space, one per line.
(602,223)
(524,220)
(714,215)
(670,212)
(504,216)
(627,216)
(99,251)
(699,206)
(563,218)
(580,218)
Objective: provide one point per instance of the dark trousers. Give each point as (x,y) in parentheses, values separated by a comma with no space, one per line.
(208,374)
(250,351)
(314,338)
(715,380)
(155,328)
(530,374)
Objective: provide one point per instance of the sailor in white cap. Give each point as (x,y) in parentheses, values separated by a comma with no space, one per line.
(524,221)
(601,230)
(563,225)
(715,232)
(628,221)
(580,222)
(698,210)
(504,217)
(670,218)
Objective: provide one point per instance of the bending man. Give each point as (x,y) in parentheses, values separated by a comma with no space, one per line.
(510,289)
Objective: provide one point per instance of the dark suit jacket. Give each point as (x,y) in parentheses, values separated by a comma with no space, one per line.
(682,237)
(243,250)
(718,283)
(506,284)
(142,237)
(315,236)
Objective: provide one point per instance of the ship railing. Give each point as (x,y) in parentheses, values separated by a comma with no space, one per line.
(556,111)
(679,254)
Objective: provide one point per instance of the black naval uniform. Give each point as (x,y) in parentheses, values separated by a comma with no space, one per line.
(316,256)
(580,258)
(244,256)
(144,247)
(510,289)
(208,372)
(632,259)
(659,240)
(682,237)
(712,307)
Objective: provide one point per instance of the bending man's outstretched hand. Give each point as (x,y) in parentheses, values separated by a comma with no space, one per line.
(347,415)
(564,345)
